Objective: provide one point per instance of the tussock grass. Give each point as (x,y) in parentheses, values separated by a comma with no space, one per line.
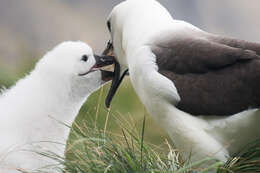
(96,150)
(246,161)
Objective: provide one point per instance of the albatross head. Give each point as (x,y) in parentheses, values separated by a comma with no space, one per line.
(131,24)
(74,66)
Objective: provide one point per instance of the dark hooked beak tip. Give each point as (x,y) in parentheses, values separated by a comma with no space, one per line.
(116,81)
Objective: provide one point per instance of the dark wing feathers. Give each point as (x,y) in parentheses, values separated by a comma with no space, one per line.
(199,55)
(213,75)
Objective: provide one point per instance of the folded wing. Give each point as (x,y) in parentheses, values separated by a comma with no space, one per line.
(213,75)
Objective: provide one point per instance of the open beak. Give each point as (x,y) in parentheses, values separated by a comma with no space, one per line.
(106,65)
(102,62)
(117,78)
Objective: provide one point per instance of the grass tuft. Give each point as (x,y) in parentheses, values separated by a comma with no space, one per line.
(96,151)
(246,161)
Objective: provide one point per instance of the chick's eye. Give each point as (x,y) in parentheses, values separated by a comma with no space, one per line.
(84,58)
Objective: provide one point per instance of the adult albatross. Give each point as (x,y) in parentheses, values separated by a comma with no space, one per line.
(203,89)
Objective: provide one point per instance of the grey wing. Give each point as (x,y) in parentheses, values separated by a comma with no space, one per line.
(211,77)
(199,54)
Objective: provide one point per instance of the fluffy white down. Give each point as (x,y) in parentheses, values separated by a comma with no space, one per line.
(134,25)
(30,109)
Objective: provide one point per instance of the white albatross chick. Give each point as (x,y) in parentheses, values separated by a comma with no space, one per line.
(54,91)
(203,89)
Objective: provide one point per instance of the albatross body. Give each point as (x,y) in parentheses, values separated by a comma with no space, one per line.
(203,89)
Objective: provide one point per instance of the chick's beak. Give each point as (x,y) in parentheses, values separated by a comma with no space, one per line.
(106,65)
(103,61)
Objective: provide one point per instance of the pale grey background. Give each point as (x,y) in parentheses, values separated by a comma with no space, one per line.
(29,28)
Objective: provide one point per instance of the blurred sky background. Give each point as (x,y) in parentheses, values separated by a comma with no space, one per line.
(30,28)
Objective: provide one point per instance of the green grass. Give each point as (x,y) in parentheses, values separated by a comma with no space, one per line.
(246,161)
(126,104)
(96,150)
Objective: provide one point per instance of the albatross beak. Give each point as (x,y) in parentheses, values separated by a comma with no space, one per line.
(106,65)
(102,63)
(117,79)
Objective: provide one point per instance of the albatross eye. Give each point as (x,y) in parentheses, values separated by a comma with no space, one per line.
(84,58)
